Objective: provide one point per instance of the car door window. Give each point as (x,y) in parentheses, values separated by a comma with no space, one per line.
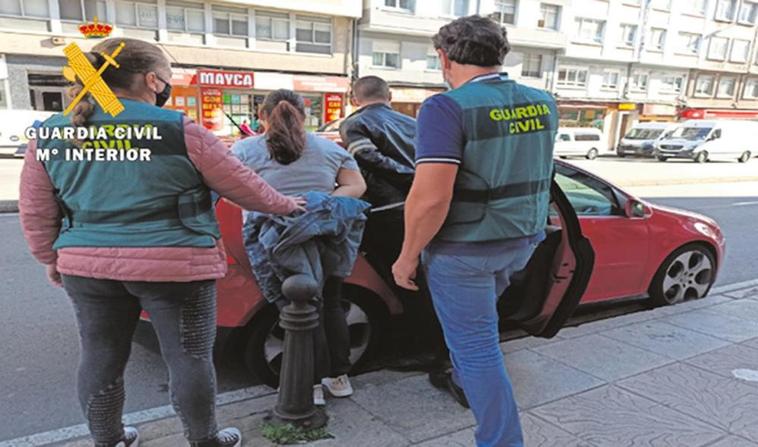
(588,196)
(564,137)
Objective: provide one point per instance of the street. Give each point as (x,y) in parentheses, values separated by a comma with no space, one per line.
(40,342)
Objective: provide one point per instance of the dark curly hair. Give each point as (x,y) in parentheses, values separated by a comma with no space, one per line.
(473,40)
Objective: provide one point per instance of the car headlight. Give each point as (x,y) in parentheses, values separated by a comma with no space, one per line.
(705,229)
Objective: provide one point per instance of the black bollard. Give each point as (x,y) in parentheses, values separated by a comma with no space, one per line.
(298,319)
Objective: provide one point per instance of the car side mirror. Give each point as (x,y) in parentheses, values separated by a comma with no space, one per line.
(635,209)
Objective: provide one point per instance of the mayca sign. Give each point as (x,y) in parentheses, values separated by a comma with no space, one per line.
(225,79)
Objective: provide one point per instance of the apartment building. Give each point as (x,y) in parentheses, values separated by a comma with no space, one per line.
(225,54)
(394,42)
(630,60)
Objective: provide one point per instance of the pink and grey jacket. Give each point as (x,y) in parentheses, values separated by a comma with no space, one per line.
(221,171)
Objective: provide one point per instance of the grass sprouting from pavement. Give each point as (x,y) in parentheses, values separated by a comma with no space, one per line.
(289,434)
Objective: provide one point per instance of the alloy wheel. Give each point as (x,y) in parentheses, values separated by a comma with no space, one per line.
(689,276)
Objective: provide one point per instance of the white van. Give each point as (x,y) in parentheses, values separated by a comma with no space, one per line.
(13,125)
(642,138)
(703,140)
(578,142)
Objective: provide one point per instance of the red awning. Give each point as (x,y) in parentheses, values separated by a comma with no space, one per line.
(718,113)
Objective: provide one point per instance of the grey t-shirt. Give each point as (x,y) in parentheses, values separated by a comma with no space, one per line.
(315,170)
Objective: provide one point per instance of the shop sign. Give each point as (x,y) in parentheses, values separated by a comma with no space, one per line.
(659,109)
(211,100)
(225,79)
(627,106)
(333,110)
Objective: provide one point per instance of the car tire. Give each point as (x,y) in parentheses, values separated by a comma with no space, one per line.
(701,157)
(664,159)
(687,273)
(262,352)
(745,157)
(592,154)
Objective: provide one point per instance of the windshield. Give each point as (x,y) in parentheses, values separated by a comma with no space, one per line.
(691,133)
(643,134)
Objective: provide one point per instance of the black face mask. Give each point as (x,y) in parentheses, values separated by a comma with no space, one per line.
(162,97)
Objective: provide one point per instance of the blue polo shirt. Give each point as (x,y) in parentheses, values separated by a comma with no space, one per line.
(440,138)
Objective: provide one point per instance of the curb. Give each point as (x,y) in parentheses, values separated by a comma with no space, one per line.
(690,181)
(8,206)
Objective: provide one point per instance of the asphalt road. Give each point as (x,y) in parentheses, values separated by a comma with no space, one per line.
(39,342)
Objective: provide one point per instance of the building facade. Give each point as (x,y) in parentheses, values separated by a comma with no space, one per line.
(259,45)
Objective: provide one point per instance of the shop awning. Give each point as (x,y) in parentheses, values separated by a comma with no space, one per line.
(692,113)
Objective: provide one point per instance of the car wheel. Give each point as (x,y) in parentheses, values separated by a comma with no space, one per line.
(701,157)
(662,158)
(687,273)
(592,154)
(263,352)
(744,157)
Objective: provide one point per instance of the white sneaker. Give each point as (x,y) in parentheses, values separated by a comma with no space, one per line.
(318,396)
(338,386)
(130,439)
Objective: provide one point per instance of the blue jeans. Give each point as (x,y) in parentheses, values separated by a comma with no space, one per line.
(465,290)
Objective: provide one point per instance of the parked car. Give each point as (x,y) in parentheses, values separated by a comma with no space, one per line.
(13,125)
(642,137)
(635,249)
(704,140)
(578,142)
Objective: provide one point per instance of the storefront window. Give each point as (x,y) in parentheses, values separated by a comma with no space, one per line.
(313,111)
(582,118)
(238,105)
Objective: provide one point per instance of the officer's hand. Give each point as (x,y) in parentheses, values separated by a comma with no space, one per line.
(404,272)
(300,203)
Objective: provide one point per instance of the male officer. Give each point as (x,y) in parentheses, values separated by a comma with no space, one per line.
(478,208)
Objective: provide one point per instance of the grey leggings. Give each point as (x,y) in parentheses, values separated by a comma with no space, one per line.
(184,318)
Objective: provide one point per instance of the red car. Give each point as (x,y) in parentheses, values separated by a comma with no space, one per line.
(603,244)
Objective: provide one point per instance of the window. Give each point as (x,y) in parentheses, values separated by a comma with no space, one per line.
(399,4)
(610,79)
(661,4)
(385,54)
(183,17)
(725,10)
(572,77)
(717,48)
(433,62)
(25,8)
(313,35)
(751,89)
(689,43)
(230,21)
(531,67)
(140,15)
(740,51)
(704,85)
(672,84)
(590,30)
(638,82)
(81,10)
(272,26)
(586,137)
(726,87)
(748,12)
(657,39)
(628,34)
(696,7)
(549,16)
(455,8)
(588,197)
(505,12)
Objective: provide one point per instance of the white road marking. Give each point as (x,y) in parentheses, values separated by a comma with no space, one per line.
(745,203)
(139,417)
(750,375)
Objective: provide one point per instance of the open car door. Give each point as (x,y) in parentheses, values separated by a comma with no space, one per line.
(543,296)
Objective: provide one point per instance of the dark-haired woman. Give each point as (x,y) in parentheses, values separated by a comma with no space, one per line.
(296,162)
(124,236)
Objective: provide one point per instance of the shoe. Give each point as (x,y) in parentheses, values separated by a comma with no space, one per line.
(457,392)
(318,395)
(338,386)
(438,378)
(228,437)
(130,439)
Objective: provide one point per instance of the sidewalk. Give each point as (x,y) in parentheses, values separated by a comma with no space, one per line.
(685,376)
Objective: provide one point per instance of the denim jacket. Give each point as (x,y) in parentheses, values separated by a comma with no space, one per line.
(321,242)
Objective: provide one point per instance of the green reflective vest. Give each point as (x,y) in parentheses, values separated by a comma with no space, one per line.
(502,190)
(162,202)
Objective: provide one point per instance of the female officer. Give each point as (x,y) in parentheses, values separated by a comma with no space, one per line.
(123,236)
